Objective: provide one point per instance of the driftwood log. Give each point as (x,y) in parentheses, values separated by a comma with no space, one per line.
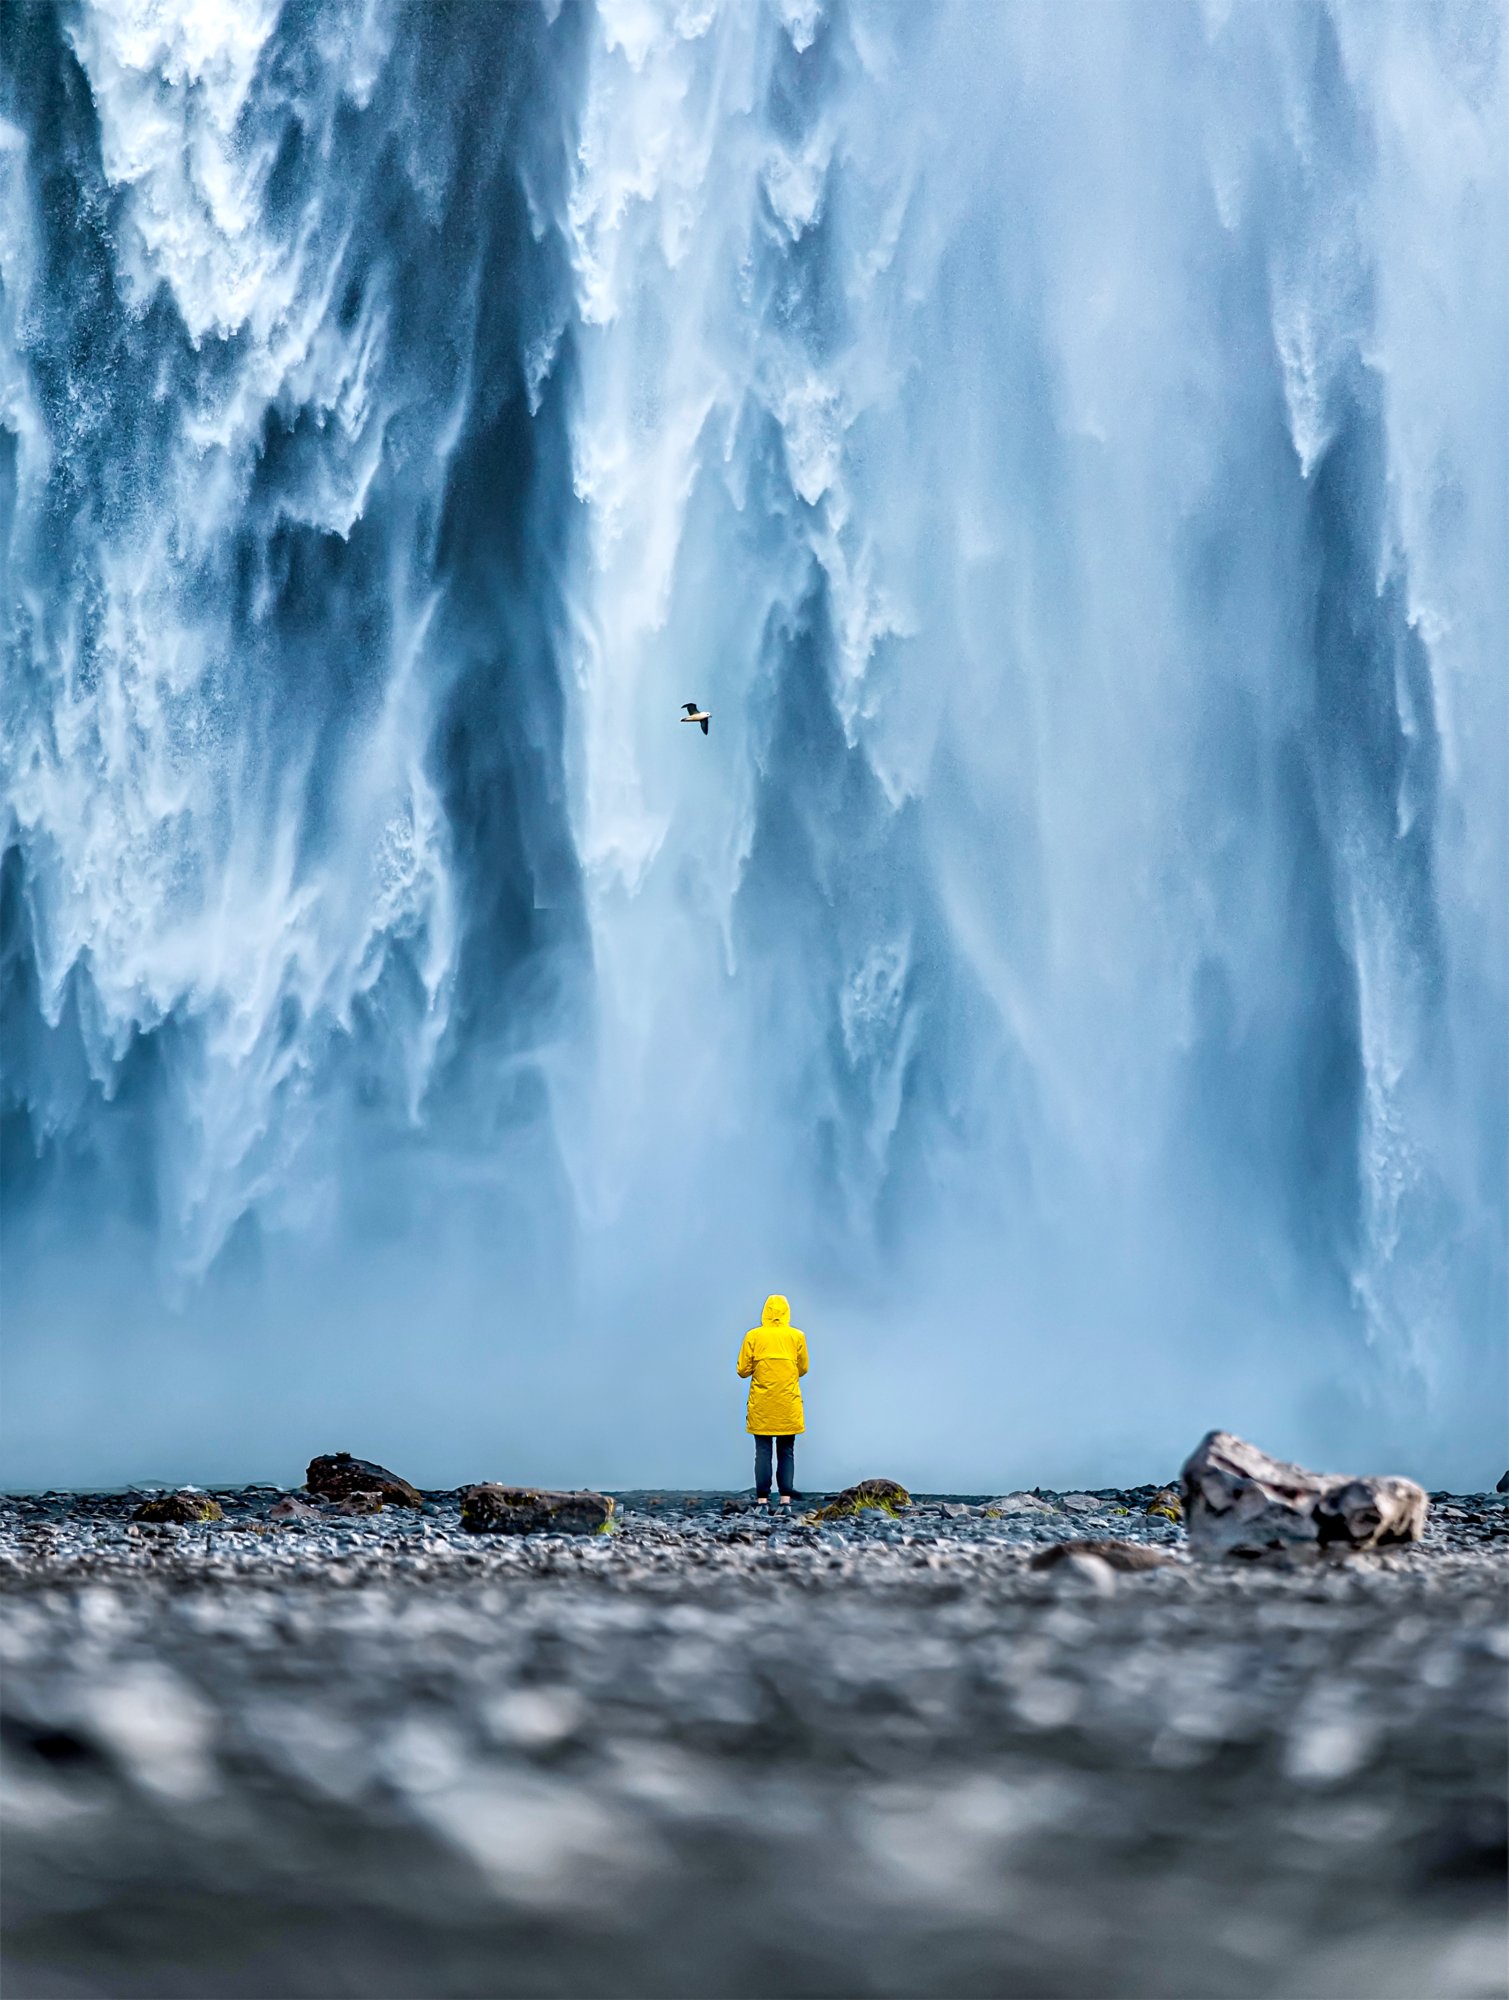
(1240,1502)
(529,1510)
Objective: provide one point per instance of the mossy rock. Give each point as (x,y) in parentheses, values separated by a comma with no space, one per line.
(885,1496)
(183,1510)
(1166,1504)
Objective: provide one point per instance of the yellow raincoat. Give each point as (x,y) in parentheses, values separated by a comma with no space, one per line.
(774,1355)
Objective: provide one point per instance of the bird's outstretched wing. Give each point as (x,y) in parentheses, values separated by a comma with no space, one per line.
(704,725)
(690,707)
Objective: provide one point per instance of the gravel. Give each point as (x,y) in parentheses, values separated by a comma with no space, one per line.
(718,1754)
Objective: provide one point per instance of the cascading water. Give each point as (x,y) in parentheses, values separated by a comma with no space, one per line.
(1066,451)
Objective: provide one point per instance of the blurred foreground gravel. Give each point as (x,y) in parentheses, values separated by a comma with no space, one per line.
(713,1756)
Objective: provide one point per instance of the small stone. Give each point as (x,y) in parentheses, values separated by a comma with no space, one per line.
(1084,1571)
(158,1727)
(1119,1555)
(337,1475)
(490,1509)
(534,1718)
(182,1510)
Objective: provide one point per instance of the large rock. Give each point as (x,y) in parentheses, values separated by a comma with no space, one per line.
(530,1510)
(1238,1501)
(1503,1485)
(184,1510)
(338,1475)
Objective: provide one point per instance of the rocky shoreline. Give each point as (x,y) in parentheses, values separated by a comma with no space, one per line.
(713,1752)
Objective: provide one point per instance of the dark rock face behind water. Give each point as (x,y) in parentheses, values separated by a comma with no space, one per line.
(716,1754)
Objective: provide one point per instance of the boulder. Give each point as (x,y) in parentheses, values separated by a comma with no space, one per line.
(1120,1555)
(888,1496)
(338,1475)
(362,1501)
(182,1509)
(1238,1501)
(292,1508)
(530,1510)
(1019,1503)
(1167,1504)
(1503,1485)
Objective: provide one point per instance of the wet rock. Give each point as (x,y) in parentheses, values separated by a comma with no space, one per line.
(1241,1502)
(1119,1555)
(337,1475)
(180,1509)
(887,1496)
(1085,1569)
(1166,1503)
(527,1510)
(1503,1485)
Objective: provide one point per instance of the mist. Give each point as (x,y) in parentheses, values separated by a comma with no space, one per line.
(1065,450)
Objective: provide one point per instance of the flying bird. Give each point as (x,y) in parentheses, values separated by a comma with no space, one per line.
(695,714)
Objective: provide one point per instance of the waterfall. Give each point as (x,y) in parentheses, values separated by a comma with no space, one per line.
(1065,450)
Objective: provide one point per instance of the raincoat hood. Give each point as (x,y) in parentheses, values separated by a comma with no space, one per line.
(777,1312)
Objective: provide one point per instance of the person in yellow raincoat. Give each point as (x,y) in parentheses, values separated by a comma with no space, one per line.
(773,1361)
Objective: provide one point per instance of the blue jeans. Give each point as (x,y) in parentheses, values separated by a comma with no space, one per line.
(785,1462)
